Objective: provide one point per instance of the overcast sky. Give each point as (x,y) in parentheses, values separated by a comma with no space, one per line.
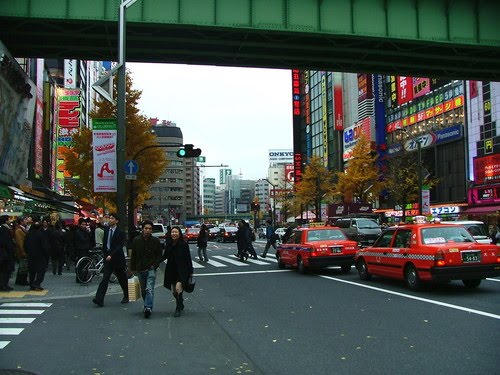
(235,115)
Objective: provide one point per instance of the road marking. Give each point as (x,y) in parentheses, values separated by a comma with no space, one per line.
(426,300)
(197,265)
(16,320)
(232,261)
(239,273)
(489,279)
(11,331)
(256,261)
(20,312)
(3,344)
(28,304)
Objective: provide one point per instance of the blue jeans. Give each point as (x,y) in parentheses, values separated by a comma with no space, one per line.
(147,280)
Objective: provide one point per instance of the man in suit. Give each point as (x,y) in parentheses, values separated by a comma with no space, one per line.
(114,261)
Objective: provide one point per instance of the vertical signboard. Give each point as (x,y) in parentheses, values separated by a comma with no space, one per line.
(68,123)
(405,89)
(324,119)
(38,147)
(338,101)
(297,149)
(70,74)
(104,153)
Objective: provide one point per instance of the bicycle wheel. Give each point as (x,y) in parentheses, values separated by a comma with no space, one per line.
(84,269)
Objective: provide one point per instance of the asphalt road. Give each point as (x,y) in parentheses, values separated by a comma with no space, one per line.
(257,319)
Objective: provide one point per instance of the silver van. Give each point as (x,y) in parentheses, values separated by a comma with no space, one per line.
(360,229)
(476,228)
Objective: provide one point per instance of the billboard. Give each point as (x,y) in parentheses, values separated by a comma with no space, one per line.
(280,156)
(104,152)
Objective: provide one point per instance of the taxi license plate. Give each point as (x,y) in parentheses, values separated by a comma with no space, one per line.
(336,250)
(471,256)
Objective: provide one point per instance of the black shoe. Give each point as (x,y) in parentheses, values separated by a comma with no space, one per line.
(23,283)
(262,255)
(5,288)
(124,300)
(38,288)
(177,312)
(147,313)
(100,304)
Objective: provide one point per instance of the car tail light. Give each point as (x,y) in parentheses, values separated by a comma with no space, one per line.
(313,252)
(439,258)
(498,256)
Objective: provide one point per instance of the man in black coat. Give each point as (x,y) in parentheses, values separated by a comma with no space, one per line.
(6,254)
(114,260)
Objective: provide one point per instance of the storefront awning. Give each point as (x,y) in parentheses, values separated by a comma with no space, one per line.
(482,210)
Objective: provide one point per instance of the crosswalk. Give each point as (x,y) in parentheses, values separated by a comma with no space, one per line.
(15,316)
(230,260)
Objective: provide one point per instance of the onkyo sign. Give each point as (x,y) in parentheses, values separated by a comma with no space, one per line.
(280,156)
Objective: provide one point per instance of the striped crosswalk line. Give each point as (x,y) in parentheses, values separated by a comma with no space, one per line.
(16,309)
(232,261)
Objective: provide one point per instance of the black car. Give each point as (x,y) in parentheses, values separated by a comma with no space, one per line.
(360,229)
(227,234)
(213,234)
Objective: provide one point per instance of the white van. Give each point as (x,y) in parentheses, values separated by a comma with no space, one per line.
(476,228)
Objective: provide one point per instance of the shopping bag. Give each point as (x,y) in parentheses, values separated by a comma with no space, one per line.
(134,289)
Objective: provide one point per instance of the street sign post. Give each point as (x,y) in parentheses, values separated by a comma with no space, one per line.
(131,167)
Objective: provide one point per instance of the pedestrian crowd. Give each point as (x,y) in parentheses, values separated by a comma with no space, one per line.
(33,242)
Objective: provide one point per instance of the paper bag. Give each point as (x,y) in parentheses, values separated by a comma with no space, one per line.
(134,289)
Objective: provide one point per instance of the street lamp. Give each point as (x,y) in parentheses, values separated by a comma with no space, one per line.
(121,114)
(274,201)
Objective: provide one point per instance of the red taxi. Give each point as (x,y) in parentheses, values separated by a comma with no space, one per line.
(317,247)
(191,234)
(434,252)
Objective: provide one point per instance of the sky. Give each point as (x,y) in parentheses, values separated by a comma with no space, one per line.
(235,115)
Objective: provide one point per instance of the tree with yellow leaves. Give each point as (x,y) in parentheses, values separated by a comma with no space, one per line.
(316,185)
(360,182)
(152,162)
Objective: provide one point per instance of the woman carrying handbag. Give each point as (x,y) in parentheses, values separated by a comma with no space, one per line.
(179,269)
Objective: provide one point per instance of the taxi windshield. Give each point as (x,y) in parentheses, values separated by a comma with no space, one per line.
(442,234)
(325,235)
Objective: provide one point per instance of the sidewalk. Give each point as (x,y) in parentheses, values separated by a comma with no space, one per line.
(61,286)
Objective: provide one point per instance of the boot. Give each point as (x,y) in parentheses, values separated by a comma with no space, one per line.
(177,312)
(181,302)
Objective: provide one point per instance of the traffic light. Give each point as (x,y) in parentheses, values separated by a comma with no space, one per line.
(188,151)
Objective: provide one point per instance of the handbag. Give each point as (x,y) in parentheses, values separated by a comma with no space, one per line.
(134,289)
(189,287)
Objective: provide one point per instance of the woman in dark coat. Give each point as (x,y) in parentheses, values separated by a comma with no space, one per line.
(37,248)
(179,267)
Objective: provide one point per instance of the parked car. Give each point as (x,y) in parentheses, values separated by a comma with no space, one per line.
(437,252)
(227,234)
(159,230)
(317,247)
(212,233)
(476,228)
(191,234)
(360,229)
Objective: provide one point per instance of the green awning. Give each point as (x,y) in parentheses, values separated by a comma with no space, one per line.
(5,192)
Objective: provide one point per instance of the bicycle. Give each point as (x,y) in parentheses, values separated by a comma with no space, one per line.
(89,266)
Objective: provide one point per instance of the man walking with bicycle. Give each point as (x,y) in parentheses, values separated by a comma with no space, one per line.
(144,261)
(114,261)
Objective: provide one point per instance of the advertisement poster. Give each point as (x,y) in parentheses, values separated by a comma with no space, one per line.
(104,152)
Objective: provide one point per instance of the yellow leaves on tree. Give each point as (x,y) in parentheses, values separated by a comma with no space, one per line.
(316,185)
(152,162)
(360,180)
